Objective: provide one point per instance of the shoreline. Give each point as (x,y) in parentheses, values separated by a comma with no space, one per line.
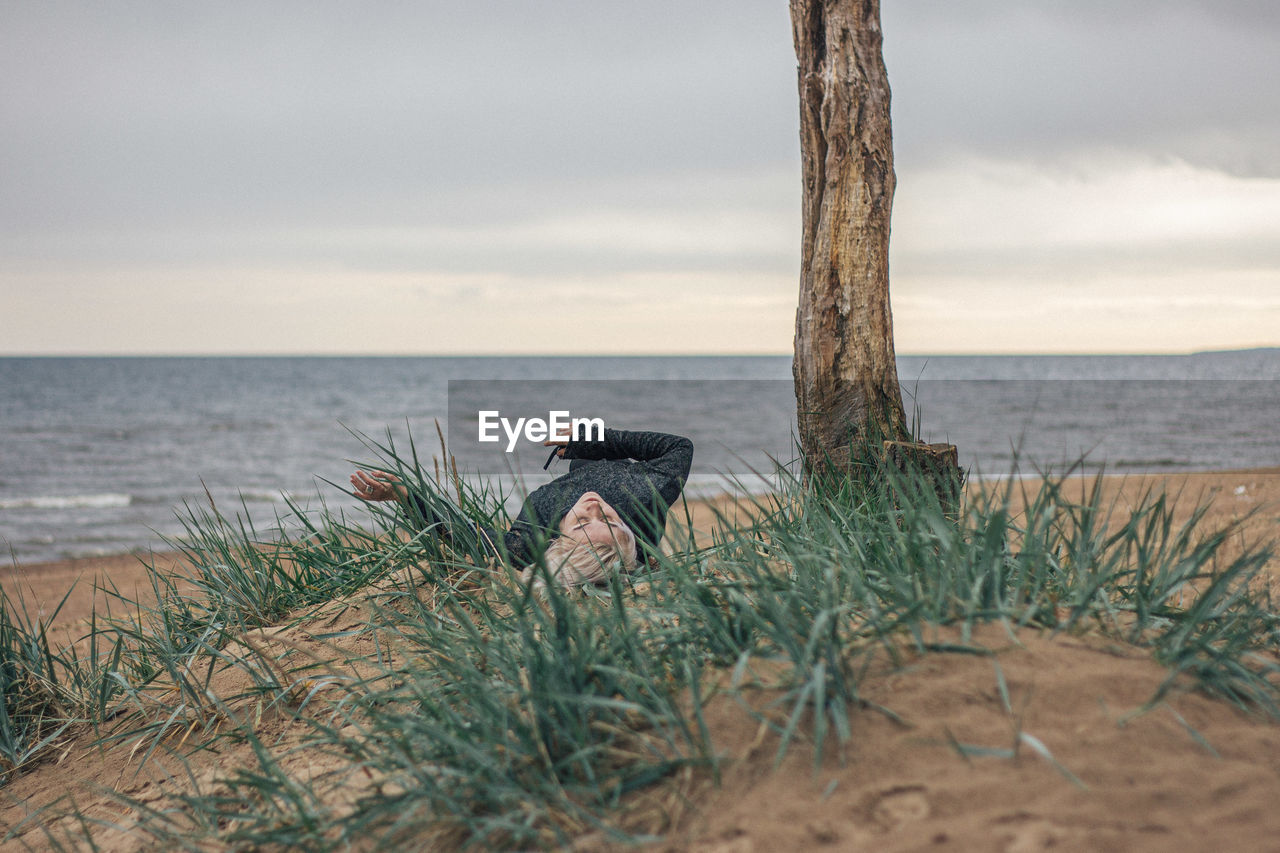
(43,586)
(1247,496)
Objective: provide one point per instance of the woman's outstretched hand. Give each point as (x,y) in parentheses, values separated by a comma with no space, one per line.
(560,442)
(378,486)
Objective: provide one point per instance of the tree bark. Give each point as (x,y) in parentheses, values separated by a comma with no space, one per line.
(845,372)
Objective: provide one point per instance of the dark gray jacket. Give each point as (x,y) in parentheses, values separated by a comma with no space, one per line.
(639,474)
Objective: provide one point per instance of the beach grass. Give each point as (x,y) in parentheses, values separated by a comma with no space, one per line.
(449,704)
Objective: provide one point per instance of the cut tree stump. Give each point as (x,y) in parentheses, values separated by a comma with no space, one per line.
(935,464)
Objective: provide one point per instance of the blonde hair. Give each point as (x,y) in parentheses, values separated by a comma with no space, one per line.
(573,563)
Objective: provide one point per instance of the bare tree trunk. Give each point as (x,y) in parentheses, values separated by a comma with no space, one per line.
(845,372)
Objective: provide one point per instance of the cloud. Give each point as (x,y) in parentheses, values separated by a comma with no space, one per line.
(240,112)
(1195,80)
(1119,256)
(472,175)
(1096,212)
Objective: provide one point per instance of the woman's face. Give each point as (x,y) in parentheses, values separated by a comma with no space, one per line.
(591,521)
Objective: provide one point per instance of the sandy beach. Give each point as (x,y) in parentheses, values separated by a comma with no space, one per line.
(1190,773)
(1252,495)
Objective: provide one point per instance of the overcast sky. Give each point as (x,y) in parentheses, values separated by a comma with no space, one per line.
(609,177)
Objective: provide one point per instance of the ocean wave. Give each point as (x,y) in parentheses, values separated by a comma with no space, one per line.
(264,496)
(110,499)
(1159,462)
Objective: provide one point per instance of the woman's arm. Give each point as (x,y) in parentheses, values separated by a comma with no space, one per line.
(381,486)
(671,455)
(378,486)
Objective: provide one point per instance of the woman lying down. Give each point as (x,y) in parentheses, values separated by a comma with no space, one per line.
(599,518)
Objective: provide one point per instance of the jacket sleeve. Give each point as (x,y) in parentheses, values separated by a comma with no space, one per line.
(450,525)
(669,455)
(519,543)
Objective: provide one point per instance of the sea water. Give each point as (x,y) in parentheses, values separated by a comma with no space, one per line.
(101,455)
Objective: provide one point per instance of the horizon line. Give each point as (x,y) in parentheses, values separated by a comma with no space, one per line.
(622,355)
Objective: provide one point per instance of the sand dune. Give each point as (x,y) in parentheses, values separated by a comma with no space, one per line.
(1066,756)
